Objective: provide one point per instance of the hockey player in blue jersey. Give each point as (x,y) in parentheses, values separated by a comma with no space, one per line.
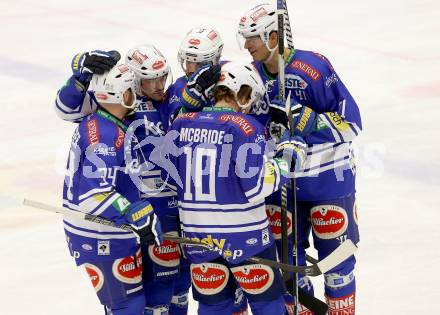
(74,102)
(328,118)
(200,47)
(223,179)
(99,182)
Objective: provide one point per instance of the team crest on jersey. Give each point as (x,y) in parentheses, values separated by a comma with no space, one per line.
(333,78)
(95,275)
(310,71)
(274,215)
(173,203)
(103,247)
(128,270)
(167,254)
(174,99)
(244,125)
(328,221)
(209,278)
(93,132)
(254,279)
(260,138)
(265,237)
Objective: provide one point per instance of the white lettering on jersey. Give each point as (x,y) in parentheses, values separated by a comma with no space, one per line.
(201,135)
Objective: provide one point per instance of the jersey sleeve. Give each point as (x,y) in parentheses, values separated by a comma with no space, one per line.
(173,102)
(260,174)
(102,158)
(74,102)
(339,118)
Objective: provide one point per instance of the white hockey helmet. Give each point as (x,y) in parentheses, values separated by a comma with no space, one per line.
(201,45)
(258,21)
(148,63)
(110,86)
(236,75)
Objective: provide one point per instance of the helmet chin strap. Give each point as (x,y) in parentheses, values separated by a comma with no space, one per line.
(243,107)
(272,52)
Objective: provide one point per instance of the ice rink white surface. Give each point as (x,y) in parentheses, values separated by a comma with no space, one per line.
(386,52)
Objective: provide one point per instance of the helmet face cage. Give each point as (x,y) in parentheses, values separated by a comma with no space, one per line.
(200,45)
(259,21)
(234,76)
(111,86)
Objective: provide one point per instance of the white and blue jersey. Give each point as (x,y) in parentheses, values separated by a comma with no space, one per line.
(99,182)
(221,177)
(173,101)
(329,170)
(73,103)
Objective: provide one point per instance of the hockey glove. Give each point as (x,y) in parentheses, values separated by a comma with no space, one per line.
(292,150)
(304,118)
(143,220)
(198,90)
(84,65)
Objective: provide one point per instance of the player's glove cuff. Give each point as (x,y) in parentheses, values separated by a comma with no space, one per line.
(191,101)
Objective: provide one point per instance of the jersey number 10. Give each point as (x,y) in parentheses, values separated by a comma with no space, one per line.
(194,169)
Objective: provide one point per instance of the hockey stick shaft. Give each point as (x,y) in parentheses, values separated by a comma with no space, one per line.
(289,36)
(340,254)
(292,285)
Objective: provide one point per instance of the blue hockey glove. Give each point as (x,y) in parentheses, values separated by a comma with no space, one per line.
(85,64)
(198,90)
(304,118)
(141,217)
(292,150)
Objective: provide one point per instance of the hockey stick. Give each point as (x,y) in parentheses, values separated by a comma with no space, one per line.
(292,285)
(288,30)
(344,251)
